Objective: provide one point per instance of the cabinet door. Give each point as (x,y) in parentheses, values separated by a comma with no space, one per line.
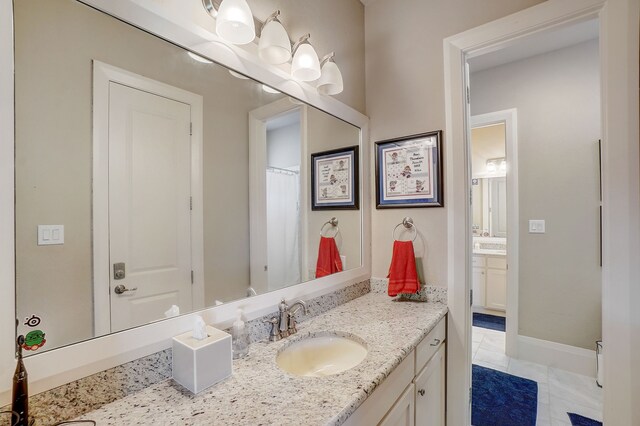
(479,283)
(496,289)
(402,412)
(430,392)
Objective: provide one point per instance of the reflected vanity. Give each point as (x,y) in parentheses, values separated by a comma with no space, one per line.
(150,182)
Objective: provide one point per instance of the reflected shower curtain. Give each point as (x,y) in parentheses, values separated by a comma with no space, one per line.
(283,229)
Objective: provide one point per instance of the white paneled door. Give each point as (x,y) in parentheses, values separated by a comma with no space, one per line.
(149,206)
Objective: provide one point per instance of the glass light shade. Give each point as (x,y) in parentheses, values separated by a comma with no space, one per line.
(503,166)
(274,46)
(234,22)
(491,167)
(305,65)
(330,82)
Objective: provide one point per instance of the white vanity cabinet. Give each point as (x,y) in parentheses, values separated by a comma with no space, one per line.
(489,281)
(414,393)
(401,414)
(479,280)
(430,391)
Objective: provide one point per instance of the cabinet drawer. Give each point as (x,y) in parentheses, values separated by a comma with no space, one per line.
(478,261)
(431,344)
(497,262)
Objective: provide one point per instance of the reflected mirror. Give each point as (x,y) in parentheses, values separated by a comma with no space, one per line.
(489,182)
(151,182)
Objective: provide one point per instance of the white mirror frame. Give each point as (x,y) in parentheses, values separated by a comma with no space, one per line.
(62,365)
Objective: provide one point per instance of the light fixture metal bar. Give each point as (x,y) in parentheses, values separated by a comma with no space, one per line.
(328,57)
(301,40)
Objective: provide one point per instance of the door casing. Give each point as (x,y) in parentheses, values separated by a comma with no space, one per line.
(103,74)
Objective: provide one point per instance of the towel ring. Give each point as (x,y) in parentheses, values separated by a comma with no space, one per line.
(407,222)
(334,223)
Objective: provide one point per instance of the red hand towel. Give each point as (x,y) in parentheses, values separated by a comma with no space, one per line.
(403,275)
(328,258)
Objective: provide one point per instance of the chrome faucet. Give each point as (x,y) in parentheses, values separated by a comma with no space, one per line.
(291,317)
(285,324)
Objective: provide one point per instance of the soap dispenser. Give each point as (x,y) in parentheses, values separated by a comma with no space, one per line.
(20,393)
(240,337)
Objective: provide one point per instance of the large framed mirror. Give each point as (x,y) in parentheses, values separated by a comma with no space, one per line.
(152,181)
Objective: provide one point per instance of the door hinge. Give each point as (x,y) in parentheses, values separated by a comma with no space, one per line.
(190,203)
(191,277)
(471,297)
(470,396)
(468,95)
(190,129)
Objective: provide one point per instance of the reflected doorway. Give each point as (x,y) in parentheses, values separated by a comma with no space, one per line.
(283,201)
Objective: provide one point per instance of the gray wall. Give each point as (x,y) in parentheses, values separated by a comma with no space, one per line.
(405,95)
(557,98)
(325,133)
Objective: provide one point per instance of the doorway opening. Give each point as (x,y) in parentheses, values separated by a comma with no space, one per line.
(534,227)
(489,229)
(284,265)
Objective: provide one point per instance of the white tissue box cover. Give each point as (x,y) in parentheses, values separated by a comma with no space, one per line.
(199,364)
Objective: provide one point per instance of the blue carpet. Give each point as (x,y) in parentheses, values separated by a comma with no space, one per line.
(501,399)
(578,420)
(492,322)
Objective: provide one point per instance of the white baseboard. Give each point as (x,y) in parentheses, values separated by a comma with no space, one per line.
(557,355)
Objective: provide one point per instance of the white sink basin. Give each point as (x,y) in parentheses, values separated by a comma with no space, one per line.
(322,355)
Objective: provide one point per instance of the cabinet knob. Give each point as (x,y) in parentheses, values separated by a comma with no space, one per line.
(421,392)
(436,342)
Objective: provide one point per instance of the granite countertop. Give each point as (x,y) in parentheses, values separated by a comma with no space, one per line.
(259,393)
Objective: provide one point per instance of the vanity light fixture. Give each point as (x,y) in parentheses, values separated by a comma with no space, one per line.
(234,20)
(305,65)
(330,82)
(274,46)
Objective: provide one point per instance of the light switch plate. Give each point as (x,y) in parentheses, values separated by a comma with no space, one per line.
(536,226)
(50,235)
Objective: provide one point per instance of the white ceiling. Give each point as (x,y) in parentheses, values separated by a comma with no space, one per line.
(536,44)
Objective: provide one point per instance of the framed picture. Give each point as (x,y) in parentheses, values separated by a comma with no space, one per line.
(409,171)
(335,180)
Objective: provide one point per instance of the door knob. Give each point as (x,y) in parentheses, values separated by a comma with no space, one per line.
(421,392)
(121,289)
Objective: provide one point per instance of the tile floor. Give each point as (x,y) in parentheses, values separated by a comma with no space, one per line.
(559,391)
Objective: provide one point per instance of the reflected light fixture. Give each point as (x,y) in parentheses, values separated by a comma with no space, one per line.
(274,46)
(238,75)
(305,65)
(199,58)
(330,82)
(495,165)
(270,89)
(234,20)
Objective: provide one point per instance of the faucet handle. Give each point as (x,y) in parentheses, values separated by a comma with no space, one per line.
(274,334)
(292,323)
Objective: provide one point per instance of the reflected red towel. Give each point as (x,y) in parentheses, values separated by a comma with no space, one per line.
(403,275)
(328,258)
